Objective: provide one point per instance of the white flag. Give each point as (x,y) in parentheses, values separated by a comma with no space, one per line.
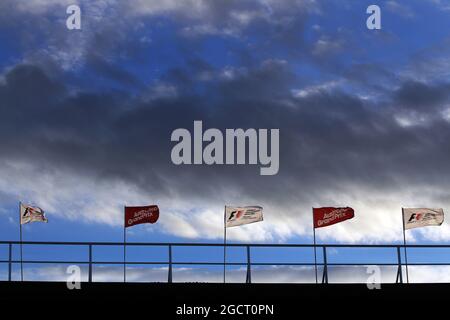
(236,216)
(31,214)
(422,217)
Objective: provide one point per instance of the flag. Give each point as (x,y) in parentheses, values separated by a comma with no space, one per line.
(236,216)
(327,216)
(31,214)
(422,217)
(138,215)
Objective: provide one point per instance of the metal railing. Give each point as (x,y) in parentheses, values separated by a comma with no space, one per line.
(324,264)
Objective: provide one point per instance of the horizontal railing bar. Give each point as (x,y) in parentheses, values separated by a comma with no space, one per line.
(219,263)
(48,262)
(277,245)
(159,262)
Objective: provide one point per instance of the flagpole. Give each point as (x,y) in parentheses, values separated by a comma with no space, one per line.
(224,243)
(315,251)
(21,249)
(404,243)
(124,248)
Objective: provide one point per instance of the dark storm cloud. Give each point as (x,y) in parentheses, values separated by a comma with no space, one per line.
(111,72)
(422,96)
(371,75)
(327,138)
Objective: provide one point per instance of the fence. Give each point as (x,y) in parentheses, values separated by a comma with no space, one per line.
(323,265)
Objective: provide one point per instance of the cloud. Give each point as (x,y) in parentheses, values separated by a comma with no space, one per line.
(422,96)
(400,9)
(335,150)
(113,30)
(358,134)
(326,45)
(315,89)
(41,6)
(275,274)
(441,4)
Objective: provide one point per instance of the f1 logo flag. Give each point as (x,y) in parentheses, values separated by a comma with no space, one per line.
(236,216)
(422,217)
(138,215)
(327,216)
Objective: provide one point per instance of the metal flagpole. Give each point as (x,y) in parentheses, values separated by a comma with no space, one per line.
(224,243)
(315,252)
(21,249)
(124,248)
(404,243)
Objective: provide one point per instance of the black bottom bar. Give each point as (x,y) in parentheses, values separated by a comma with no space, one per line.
(288,301)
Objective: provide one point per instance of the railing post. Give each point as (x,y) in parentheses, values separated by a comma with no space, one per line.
(249,270)
(170,264)
(90,263)
(10,262)
(399,271)
(325,267)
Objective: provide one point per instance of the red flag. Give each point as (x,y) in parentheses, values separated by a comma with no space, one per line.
(138,215)
(326,216)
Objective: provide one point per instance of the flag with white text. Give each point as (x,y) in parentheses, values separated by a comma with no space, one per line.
(327,216)
(143,214)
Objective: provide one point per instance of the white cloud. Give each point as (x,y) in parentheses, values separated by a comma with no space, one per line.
(378,215)
(411,119)
(274,274)
(161,90)
(316,89)
(239,11)
(441,4)
(43,6)
(327,45)
(400,9)
(208,29)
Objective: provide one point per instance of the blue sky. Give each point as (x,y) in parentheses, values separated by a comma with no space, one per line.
(87,115)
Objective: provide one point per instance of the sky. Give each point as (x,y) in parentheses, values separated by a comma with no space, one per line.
(86,117)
